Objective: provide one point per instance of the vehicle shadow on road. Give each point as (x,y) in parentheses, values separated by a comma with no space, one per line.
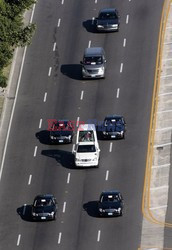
(43,137)
(89,26)
(64,158)
(72,71)
(25,212)
(91,208)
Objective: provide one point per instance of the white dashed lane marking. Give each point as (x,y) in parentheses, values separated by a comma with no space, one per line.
(49,72)
(82,95)
(62,2)
(98,235)
(59,21)
(64,207)
(95,1)
(89,44)
(30,179)
(40,123)
(18,239)
(45,96)
(127,19)
(35,151)
(110,147)
(77,122)
(68,177)
(121,67)
(124,42)
(117,93)
(24,209)
(54,46)
(59,238)
(107,175)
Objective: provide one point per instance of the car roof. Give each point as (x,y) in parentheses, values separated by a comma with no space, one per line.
(44,196)
(111,192)
(107,10)
(87,127)
(94,51)
(113,116)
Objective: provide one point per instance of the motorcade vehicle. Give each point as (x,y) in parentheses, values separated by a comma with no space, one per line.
(44,207)
(110,203)
(94,63)
(114,127)
(108,20)
(87,151)
(61,132)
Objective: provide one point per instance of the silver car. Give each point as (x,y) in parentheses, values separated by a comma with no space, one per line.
(94,63)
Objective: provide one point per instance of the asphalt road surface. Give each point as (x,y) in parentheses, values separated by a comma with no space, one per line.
(52,88)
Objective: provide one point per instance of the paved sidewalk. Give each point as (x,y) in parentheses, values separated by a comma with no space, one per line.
(159,151)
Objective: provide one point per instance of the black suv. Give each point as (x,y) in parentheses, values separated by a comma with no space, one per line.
(108,20)
(113,127)
(110,203)
(44,207)
(61,132)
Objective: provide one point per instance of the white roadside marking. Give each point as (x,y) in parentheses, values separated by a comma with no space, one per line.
(168,93)
(62,1)
(92,20)
(166,76)
(77,122)
(68,178)
(35,151)
(64,207)
(127,19)
(161,129)
(164,111)
(82,94)
(163,145)
(49,72)
(18,240)
(162,166)
(33,10)
(98,235)
(163,206)
(110,147)
(40,123)
(54,46)
(89,44)
(12,112)
(59,239)
(124,42)
(24,209)
(117,94)
(121,67)
(45,96)
(107,175)
(160,187)
(30,179)
(59,21)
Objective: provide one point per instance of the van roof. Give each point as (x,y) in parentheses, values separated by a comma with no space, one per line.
(93,51)
(86,127)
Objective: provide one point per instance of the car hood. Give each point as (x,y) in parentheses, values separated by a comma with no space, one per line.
(59,133)
(114,128)
(109,205)
(92,66)
(39,210)
(107,21)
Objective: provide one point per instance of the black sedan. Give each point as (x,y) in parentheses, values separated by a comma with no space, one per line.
(61,132)
(44,207)
(107,20)
(113,127)
(110,203)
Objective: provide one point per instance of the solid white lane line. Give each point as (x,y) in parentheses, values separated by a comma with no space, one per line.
(92,20)
(24,209)
(59,239)
(82,94)
(77,122)
(121,67)
(62,2)
(33,10)
(64,207)
(89,44)
(40,123)
(98,235)
(49,72)
(117,94)
(110,147)
(68,178)
(30,179)
(54,47)
(107,175)
(127,19)
(35,151)
(59,21)
(124,43)
(18,240)
(45,96)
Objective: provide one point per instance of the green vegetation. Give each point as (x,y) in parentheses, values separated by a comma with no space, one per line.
(13,32)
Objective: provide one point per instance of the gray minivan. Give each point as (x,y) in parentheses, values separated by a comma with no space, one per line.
(94,63)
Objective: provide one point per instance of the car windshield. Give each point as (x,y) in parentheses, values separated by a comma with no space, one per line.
(108,15)
(86,136)
(113,121)
(93,60)
(110,198)
(86,148)
(62,125)
(43,202)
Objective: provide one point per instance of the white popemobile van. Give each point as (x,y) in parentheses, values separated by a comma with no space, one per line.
(87,150)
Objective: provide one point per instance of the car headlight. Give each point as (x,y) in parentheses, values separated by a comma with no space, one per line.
(99,26)
(101,70)
(52,137)
(119,209)
(34,214)
(100,210)
(52,213)
(115,25)
(104,132)
(84,70)
(69,137)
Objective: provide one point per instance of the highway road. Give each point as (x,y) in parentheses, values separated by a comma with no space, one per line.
(51,88)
